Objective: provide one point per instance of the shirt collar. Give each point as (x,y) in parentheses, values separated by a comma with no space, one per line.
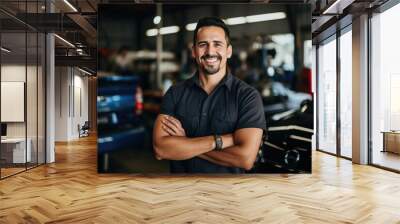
(226,81)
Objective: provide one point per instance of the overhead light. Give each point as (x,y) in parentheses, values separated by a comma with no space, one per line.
(247,19)
(151,32)
(70,5)
(265,17)
(84,71)
(64,40)
(169,30)
(236,20)
(163,31)
(5,49)
(191,26)
(157,20)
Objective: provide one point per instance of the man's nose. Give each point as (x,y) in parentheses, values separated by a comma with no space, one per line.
(211,50)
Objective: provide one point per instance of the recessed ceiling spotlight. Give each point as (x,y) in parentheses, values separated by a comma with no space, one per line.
(157,20)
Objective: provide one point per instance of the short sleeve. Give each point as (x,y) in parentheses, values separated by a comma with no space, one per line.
(251,110)
(168,102)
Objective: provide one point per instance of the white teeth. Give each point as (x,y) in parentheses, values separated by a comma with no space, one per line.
(211,59)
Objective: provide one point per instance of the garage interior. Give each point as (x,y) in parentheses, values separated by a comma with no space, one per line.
(49,152)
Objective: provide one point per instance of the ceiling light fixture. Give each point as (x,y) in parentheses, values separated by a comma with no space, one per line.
(246,19)
(265,17)
(191,26)
(64,40)
(163,31)
(157,20)
(236,20)
(169,30)
(151,32)
(70,5)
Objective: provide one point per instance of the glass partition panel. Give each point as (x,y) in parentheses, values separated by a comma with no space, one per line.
(327,97)
(385,89)
(14,150)
(346,94)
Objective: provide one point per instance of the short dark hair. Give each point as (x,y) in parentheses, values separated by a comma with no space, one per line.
(211,21)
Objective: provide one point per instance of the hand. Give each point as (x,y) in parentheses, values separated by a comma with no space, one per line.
(172,126)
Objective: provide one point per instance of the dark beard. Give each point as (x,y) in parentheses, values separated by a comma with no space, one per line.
(209,70)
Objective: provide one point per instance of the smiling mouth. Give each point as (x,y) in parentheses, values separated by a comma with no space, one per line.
(211,60)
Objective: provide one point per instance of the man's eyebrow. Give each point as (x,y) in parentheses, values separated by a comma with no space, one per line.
(214,41)
(218,41)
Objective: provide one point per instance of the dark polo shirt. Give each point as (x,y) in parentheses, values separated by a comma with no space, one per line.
(232,105)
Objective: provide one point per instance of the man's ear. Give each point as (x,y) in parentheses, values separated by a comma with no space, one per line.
(229,51)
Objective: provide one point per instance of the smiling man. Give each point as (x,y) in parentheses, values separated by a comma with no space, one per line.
(212,122)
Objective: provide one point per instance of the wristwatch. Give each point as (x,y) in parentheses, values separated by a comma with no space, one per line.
(218,142)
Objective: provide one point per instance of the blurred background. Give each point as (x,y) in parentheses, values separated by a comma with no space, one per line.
(144,49)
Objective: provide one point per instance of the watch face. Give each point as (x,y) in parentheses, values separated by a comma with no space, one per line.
(219,142)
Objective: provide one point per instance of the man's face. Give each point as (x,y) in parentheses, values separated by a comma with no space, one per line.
(211,50)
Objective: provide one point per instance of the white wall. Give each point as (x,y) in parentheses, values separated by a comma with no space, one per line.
(62,81)
(15,73)
(80,110)
(71,94)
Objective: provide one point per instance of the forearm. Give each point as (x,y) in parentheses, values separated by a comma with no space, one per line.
(219,162)
(232,157)
(181,148)
(242,153)
(238,149)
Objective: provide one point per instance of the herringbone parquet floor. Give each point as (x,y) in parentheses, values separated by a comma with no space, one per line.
(71,191)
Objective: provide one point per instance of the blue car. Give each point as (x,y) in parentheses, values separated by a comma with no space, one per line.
(120,120)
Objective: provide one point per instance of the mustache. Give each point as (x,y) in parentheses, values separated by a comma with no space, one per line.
(207,56)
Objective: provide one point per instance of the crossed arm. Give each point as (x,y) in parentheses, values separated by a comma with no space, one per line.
(239,148)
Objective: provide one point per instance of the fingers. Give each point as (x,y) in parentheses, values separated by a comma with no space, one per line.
(169,124)
(172,126)
(172,122)
(179,129)
(175,121)
(168,129)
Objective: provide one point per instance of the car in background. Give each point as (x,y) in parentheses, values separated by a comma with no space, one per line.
(287,142)
(120,116)
(277,98)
